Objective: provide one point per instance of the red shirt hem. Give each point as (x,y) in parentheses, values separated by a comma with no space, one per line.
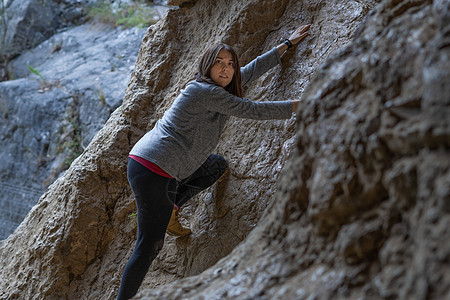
(150,165)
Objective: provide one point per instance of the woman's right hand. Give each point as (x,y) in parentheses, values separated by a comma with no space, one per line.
(299,34)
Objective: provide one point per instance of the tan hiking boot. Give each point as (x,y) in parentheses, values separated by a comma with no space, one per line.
(175,227)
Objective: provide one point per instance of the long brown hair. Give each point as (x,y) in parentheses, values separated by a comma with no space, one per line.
(207,61)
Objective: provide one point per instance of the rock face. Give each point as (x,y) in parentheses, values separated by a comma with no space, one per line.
(45,123)
(27,23)
(49,117)
(361,208)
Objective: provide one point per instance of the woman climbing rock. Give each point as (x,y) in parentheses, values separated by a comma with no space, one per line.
(173,162)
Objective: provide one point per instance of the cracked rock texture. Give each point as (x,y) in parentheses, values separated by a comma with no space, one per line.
(351,201)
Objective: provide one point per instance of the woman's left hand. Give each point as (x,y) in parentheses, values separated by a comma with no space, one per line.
(299,34)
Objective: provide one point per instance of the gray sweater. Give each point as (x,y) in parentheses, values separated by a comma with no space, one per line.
(190,130)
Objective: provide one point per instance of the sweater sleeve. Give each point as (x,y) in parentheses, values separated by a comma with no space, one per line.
(260,65)
(223,102)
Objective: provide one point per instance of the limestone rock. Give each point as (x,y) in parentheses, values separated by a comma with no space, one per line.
(27,23)
(360,209)
(47,122)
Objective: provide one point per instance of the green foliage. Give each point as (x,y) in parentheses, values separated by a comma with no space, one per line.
(125,15)
(102,13)
(36,72)
(133,219)
(73,144)
(45,85)
(70,140)
(102,97)
(136,16)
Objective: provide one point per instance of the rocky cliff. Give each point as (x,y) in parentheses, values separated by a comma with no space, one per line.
(351,200)
(47,122)
(48,116)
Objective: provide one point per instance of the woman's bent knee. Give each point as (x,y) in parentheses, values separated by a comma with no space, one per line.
(219,163)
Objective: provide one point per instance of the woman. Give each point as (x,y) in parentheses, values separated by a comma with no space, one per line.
(172,162)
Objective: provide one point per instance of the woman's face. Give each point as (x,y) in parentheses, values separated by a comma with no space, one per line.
(223,69)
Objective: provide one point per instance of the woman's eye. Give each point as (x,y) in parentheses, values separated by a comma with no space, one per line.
(221,63)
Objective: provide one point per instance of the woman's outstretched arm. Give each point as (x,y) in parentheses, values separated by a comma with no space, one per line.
(299,34)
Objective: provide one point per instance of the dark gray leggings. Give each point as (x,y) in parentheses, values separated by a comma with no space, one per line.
(155,198)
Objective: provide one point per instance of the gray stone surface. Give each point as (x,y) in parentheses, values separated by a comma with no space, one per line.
(27,23)
(46,122)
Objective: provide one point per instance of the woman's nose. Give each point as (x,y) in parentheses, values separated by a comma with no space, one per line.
(225,66)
